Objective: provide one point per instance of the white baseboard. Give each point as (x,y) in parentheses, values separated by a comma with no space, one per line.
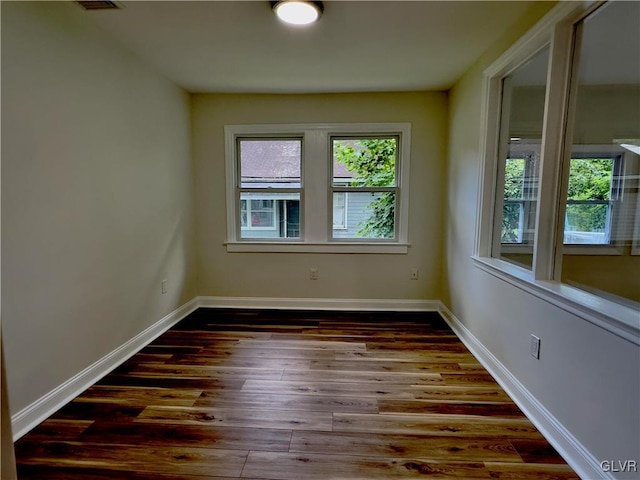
(576,455)
(320,303)
(32,415)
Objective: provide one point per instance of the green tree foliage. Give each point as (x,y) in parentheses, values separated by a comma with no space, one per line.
(589,179)
(373,164)
(513,190)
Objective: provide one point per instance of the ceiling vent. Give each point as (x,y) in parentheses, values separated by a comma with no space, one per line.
(100,5)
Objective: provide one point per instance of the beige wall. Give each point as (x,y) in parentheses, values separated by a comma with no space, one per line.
(340,276)
(587,378)
(605,113)
(96,196)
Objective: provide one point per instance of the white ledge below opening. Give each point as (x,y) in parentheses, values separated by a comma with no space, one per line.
(621,320)
(306,247)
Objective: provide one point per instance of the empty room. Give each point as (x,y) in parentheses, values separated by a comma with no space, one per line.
(300,240)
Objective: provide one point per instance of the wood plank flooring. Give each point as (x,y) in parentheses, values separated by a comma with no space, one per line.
(294,395)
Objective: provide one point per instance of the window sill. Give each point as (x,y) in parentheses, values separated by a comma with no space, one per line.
(305,247)
(621,320)
(567,249)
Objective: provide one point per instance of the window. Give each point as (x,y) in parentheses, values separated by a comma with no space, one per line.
(594,189)
(269,188)
(518,170)
(318,188)
(366,169)
(520,195)
(559,208)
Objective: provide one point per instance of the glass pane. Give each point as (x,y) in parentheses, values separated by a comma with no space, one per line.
(588,214)
(590,178)
(365,162)
(513,211)
(339,211)
(272,163)
(262,214)
(522,115)
(586,224)
(367,215)
(269,215)
(512,221)
(603,208)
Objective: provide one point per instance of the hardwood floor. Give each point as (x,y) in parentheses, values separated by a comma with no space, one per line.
(294,395)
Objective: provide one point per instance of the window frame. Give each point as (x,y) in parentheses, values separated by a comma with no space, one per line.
(622,165)
(528,152)
(316,209)
(239,189)
(346,189)
(617,155)
(543,280)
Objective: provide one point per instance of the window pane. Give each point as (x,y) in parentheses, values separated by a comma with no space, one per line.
(586,224)
(368,215)
(588,214)
(269,215)
(272,163)
(522,114)
(603,208)
(365,162)
(590,179)
(512,221)
(340,211)
(513,211)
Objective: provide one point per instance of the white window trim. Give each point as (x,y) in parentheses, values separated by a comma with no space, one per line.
(556,29)
(316,214)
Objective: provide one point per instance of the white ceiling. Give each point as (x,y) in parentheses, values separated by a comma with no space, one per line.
(240,46)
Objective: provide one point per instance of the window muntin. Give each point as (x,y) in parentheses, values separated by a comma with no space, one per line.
(366,168)
(313,200)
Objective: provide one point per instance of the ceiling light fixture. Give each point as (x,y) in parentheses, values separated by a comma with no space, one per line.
(298,12)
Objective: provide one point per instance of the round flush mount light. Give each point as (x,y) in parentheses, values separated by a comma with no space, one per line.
(297,12)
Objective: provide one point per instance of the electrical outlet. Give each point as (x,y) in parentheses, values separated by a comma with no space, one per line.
(535,347)
(414,274)
(313,274)
(163,285)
